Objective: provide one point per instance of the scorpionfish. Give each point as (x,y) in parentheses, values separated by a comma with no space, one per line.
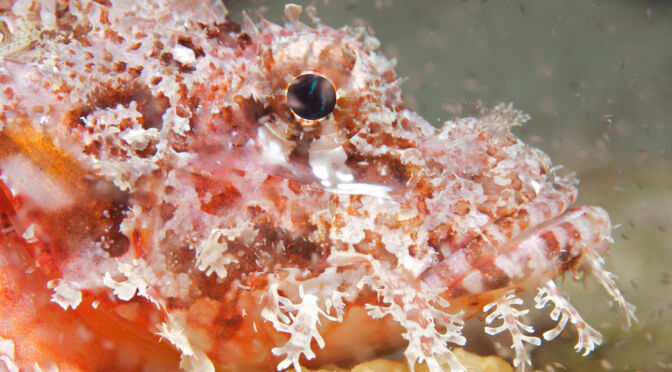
(180,191)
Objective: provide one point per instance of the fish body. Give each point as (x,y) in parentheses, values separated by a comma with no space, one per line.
(163,206)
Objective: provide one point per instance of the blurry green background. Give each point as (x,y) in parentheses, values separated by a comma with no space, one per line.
(596,76)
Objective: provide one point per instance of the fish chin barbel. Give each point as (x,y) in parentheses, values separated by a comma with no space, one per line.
(258,196)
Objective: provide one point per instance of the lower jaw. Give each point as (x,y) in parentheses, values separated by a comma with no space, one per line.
(540,253)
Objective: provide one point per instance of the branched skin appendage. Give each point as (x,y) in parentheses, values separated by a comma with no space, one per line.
(607,280)
(429,327)
(563,312)
(181,192)
(298,320)
(504,309)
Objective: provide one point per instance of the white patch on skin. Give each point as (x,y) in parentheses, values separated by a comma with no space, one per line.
(29,234)
(412,156)
(211,253)
(509,266)
(50,368)
(398,241)
(383,116)
(329,166)
(298,48)
(179,124)
(183,54)
(25,179)
(458,263)
(138,138)
(473,282)
(501,181)
(532,251)
(65,295)
(7,355)
(326,162)
(272,150)
(536,186)
(124,290)
(379,191)
(124,173)
(344,177)
(193,359)
(136,273)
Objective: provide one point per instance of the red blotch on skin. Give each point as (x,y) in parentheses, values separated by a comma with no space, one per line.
(221,200)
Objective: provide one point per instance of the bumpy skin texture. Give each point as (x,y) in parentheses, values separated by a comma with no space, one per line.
(162,206)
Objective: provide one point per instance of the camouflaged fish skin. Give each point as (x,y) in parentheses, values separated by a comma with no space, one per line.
(163,208)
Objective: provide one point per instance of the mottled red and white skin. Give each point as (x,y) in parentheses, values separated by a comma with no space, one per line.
(162,208)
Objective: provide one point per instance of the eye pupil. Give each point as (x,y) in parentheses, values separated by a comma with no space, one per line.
(311,97)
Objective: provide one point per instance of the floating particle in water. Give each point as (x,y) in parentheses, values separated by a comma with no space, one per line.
(606,365)
(607,118)
(566,49)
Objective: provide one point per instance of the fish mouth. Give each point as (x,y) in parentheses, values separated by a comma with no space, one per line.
(552,247)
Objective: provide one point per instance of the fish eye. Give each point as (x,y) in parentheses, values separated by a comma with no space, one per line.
(311,96)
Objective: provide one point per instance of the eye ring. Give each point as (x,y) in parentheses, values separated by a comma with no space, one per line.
(311,96)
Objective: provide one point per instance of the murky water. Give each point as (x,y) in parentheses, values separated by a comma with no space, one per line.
(597,78)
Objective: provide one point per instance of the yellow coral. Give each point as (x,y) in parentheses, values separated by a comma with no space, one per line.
(472,362)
